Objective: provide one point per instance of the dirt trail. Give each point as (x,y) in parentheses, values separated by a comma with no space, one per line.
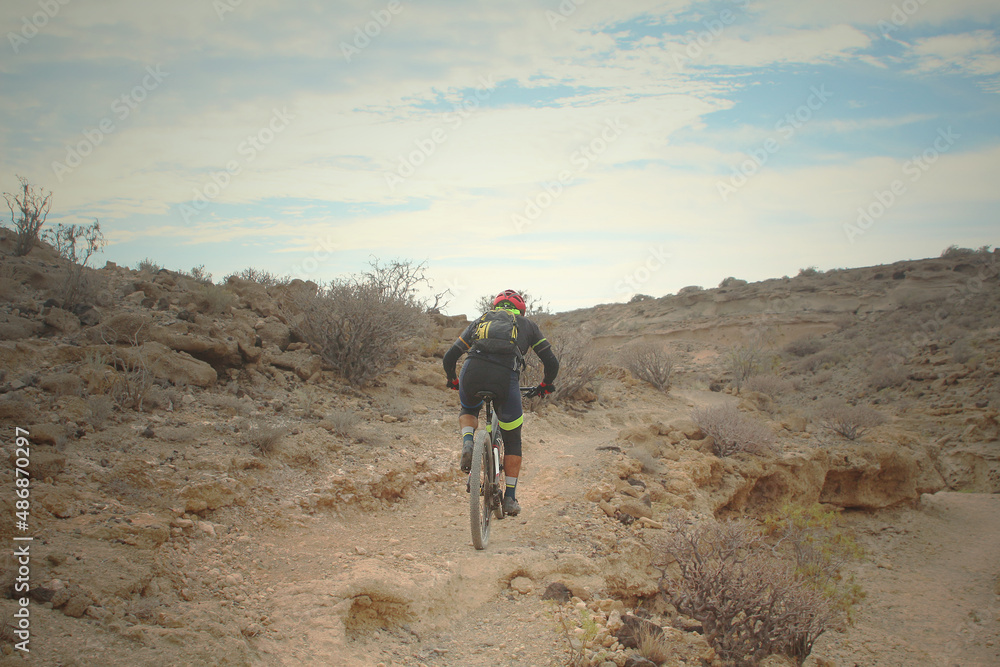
(932,585)
(930,576)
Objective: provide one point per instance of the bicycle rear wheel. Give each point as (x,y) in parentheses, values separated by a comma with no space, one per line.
(480,491)
(501,483)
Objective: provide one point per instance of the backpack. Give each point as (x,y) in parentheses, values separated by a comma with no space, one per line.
(495,332)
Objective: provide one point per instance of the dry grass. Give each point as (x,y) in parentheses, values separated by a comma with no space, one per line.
(343,422)
(850,421)
(262,438)
(99,409)
(772,385)
(653,646)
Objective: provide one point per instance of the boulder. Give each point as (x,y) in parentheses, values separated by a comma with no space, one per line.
(178,368)
(13,327)
(224,353)
(303,363)
(62,320)
(212,495)
(870,477)
(274,333)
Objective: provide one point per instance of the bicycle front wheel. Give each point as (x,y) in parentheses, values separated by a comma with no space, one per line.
(480,491)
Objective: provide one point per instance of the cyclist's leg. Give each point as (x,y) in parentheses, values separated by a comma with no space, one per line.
(468,416)
(511,416)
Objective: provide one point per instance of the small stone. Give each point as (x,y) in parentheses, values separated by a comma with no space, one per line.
(76,606)
(649,523)
(557,591)
(522,585)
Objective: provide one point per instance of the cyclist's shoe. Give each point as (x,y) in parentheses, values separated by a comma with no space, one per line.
(467,456)
(510,506)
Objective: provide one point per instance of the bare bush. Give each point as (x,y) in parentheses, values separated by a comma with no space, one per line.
(747,358)
(215,300)
(824,360)
(653,646)
(750,602)
(578,363)
(132,380)
(650,363)
(357,326)
(732,281)
(850,421)
(147,266)
(772,385)
(76,244)
(732,430)
(9,282)
(200,274)
(803,347)
(99,408)
(29,207)
(259,276)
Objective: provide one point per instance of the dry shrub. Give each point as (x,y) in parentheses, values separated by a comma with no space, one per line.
(343,422)
(578,363)
(653,646)
(29,207)
(749,357)
(823,360)
(214,300)
(99,409)
(772,385)
(259,276)
(649,362)
(147,266)
(77,244)
(803,347)
(229,405)
(357,326)
(751,602)
(262,437)
(733,431)
(850,421)
(9,282)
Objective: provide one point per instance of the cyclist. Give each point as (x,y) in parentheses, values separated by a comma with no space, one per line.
(499,374)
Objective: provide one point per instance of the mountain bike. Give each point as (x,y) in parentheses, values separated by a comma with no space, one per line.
(486,478)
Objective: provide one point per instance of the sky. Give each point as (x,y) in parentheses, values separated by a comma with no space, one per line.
(582,151)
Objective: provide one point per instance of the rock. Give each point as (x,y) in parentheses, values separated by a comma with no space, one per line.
(635,508)
(13,327)
(207,528)
(125,329)
(215,351)
(212,495)
(522,585)
(634,627)
(274,333)
(88,315)
(58,502)
(47,434)
(599,492)
(626,489)
(303,363)
(77,605)
(42,463)
(614,623)
(638,661)
(649,523)
(795,423)
(608,508)
(870,477)
(62,320)
(557,591)
(689,430)
(389,419)
(178,368)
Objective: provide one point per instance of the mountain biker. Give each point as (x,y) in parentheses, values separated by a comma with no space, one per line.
(499,374)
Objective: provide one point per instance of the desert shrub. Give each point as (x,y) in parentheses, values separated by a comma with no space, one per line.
(809,271)
(803,347)
(649,362)
(357,325)
(884,373)
(690,289)
(822,550)
(76,244)
(29,207)
(772,385)
(653,646)
(732,430)
(9,282)
(99,409)
(962,351)
(751,602)
(200,274)
(578,363)
(749,357)
(259,276)
(214,299)
(132,380)
(823,360)
(953,251)
(261,437)
(637,298)
(732,282)
(147,266)
(227,404)
(850,421)
(343,422)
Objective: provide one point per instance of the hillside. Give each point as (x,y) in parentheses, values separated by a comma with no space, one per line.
(206,489)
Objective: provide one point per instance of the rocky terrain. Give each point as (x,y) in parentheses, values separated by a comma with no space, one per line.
(206,490)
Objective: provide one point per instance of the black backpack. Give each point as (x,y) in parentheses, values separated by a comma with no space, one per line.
(495,332)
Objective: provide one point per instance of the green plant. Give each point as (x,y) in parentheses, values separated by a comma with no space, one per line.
(579,630)
(733,431)
(29,207)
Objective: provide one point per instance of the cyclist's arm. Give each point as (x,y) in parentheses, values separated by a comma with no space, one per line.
(543,349)
(457,349)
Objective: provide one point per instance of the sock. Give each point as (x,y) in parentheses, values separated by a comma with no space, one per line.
(467,432)
(511,487)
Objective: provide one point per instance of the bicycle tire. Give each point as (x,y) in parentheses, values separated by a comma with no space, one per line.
(501,483)
(480,491)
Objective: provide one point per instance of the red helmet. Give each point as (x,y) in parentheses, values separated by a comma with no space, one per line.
(511,297)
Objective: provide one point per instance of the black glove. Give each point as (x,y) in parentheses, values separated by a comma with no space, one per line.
(453,383)
(544,389)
